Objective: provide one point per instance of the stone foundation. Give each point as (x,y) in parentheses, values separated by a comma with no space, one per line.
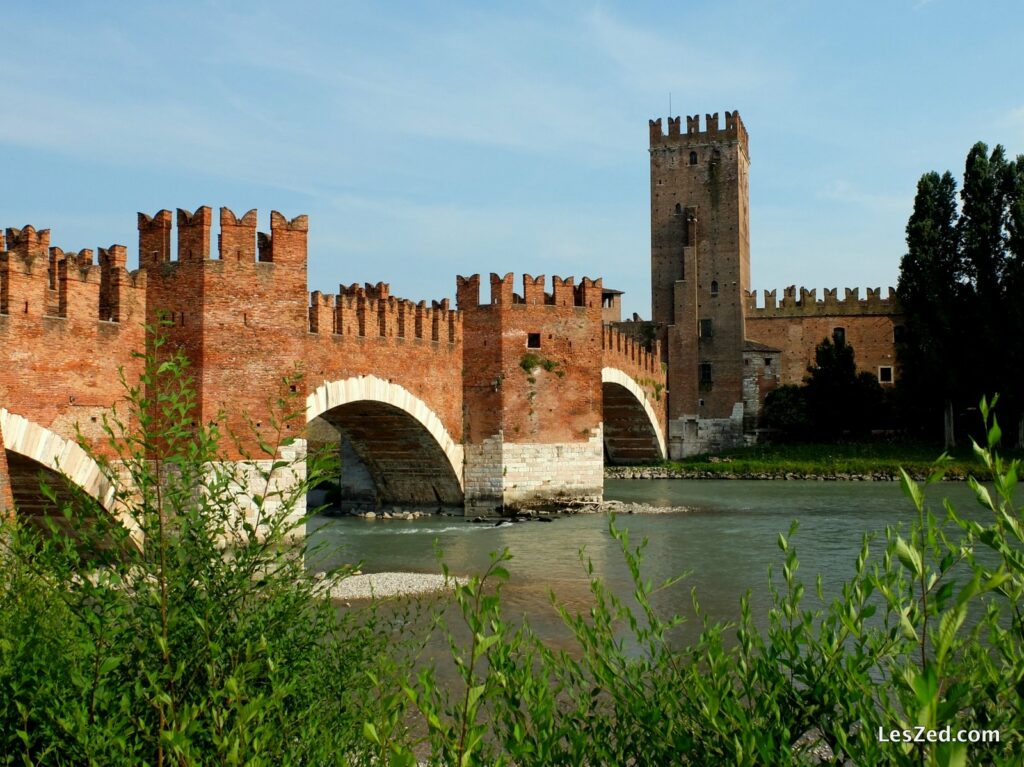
(281,490)
(503,476)
(690,435)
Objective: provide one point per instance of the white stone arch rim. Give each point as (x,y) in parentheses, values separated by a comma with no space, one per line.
(65,457)
(332,394)
(616,376)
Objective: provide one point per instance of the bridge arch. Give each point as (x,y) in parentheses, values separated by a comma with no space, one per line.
(408,452)
(632,431)
(35,446)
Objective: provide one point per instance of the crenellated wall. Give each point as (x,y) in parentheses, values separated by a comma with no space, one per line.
(500,402)
(798,322)
(67,324)
(622,351)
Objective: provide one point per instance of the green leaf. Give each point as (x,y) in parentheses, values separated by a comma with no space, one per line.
(474,695)
(912,489)
(951,755)
(909,557)
(370,733)
(109,664)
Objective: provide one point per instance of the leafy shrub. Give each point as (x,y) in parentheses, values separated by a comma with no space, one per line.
(190,634)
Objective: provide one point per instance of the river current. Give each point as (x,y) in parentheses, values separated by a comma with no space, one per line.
(724,536)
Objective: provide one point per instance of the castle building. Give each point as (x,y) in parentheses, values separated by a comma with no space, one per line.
(506,401)
(722,351)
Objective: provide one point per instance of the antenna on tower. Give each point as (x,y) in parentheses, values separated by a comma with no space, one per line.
(670,105)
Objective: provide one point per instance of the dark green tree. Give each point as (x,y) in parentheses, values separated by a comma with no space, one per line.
(785,413)
(840,401)
(959,287)
(931,290)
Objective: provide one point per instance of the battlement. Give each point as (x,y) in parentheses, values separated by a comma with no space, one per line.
(43,281)
(371,312)
(627,347)
(733,130)
(807,304)
(238,240)
(564,292)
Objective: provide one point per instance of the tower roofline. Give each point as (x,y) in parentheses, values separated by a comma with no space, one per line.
(733,130)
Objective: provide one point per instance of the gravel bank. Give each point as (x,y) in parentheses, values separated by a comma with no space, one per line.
(390,585)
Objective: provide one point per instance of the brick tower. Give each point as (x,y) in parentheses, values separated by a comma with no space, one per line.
(531,392)
(700,275)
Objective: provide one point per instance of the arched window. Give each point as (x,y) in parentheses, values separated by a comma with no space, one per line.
(679,209)
(693,158)
(839,335)
(714,287)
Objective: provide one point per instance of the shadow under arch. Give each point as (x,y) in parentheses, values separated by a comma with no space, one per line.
(32,448)
(409,455)
(632,432)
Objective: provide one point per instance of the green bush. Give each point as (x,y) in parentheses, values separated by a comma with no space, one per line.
(196,639)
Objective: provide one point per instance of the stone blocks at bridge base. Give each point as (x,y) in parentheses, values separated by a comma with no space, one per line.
(279,487)
(689,435)
(502,477)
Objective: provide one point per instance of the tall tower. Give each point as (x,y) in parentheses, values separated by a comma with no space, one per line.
(700,272)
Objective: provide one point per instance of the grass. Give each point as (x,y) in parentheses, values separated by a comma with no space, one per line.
(829,460)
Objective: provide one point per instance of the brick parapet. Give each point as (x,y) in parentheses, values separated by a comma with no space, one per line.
(630,354)
(564,292)
(805,303)
(733,130)
(67,325)
(371,312)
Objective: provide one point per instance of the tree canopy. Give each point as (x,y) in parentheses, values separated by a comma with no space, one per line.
(959,287)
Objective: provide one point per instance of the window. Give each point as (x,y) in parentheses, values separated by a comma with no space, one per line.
(714,287)
(705,372)
(899,334)
(693,158)
(533,340)
(839,335)
(885,374)
(767,362)
(706,329)
(679,209)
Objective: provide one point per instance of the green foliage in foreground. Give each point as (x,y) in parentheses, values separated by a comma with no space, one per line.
(185,651)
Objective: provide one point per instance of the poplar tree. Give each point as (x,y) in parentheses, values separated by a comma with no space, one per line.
(931,290)
(960,289)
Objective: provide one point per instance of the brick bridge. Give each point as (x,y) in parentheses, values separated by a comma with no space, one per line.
(509,399)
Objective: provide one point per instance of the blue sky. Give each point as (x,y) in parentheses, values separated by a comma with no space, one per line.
(428,140)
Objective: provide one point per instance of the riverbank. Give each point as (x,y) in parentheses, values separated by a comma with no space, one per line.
(859,462)
(390,585)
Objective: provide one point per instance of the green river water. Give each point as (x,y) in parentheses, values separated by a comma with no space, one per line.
(724,535)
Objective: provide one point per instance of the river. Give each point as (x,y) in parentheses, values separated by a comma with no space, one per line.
(724,536)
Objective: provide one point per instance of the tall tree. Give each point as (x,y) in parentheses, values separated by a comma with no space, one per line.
(839,400)
(1013,283)
(960,287)
(931,290)
(983,246)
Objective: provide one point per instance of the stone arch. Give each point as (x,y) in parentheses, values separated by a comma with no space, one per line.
(370,397)
(64,457)
(640,404)
(52,451)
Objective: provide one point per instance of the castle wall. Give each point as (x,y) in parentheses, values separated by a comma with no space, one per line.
(800,321)
(241,317)
(67,324)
